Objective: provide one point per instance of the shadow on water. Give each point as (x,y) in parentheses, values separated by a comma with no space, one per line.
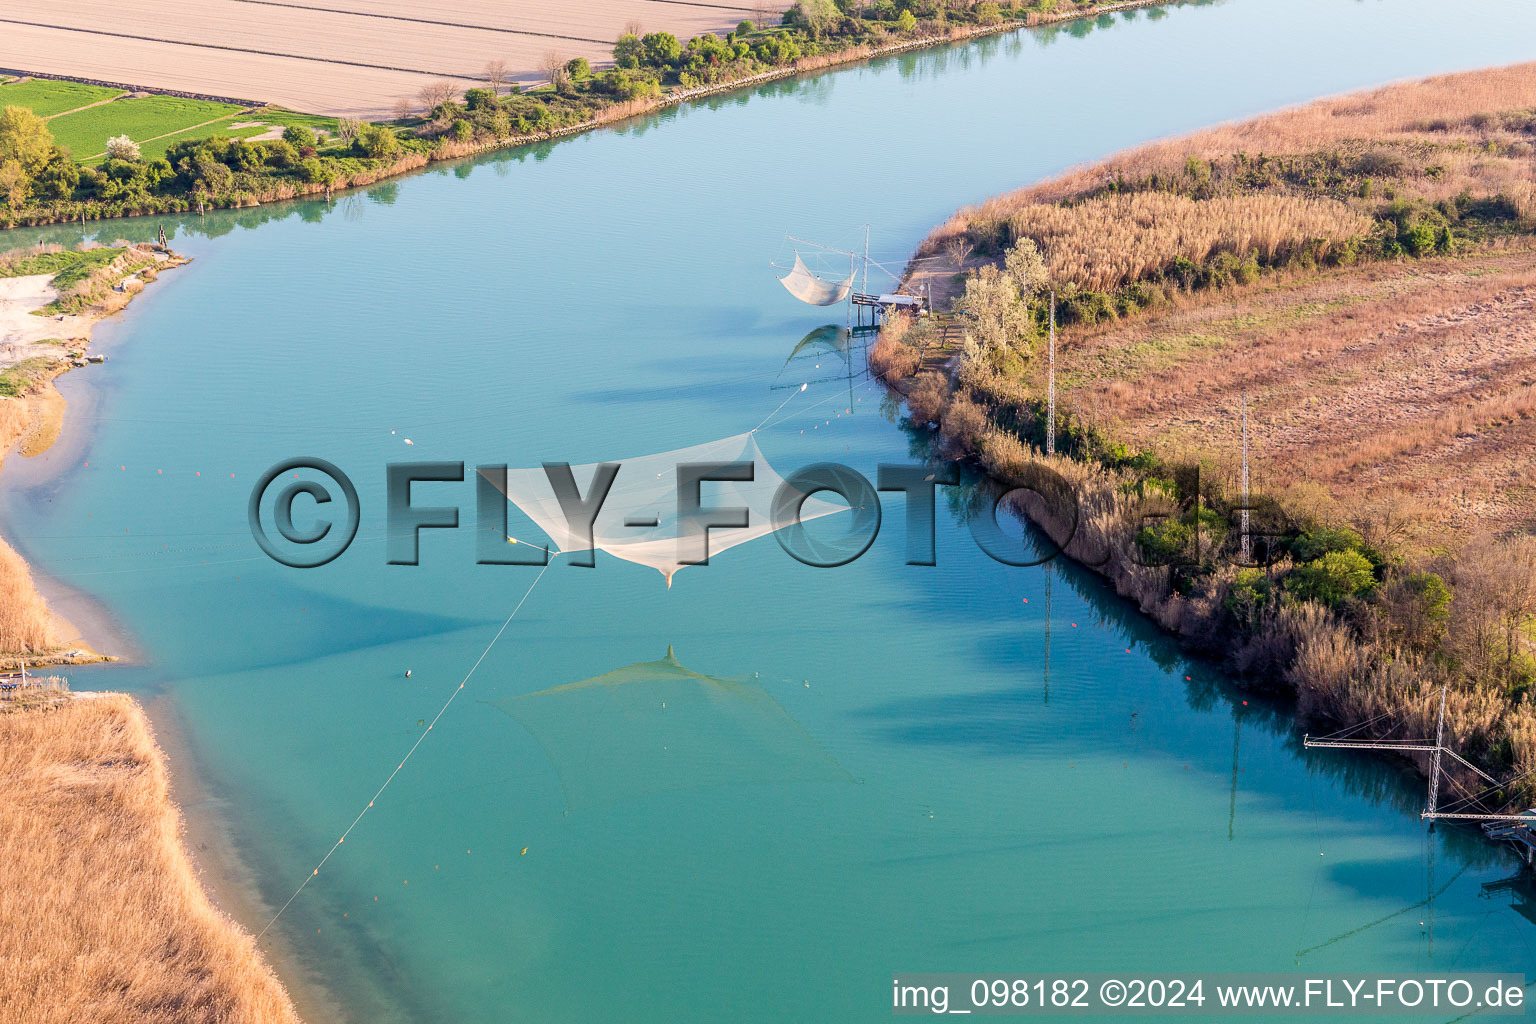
(1009,722)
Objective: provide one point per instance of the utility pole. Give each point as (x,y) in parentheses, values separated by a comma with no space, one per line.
(1050,387)
(1247,540)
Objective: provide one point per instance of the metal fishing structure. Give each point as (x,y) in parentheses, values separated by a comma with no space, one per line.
(1518,828)
(816,289)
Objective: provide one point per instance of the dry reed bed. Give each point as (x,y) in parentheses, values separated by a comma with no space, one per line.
(25,625)
(1441,111)
(1472,133)
(1110,241)
(105,920)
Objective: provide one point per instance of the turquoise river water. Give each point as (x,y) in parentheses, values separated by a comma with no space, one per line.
(887,778)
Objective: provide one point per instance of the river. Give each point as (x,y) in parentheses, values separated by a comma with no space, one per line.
(888,778)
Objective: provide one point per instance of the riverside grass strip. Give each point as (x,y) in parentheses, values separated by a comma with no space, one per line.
(49,97)
(85,133)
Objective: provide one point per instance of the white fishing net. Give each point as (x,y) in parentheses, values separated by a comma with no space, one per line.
(817,291)
(639,520)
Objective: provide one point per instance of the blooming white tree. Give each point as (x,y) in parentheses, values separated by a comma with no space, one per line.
(995,316)
(121,147)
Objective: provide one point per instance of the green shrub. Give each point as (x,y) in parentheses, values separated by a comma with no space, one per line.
(1248,596)
(376,141)
(299,136)
(1321,540)
(1332,579)
(1418,240)
(660,49)
(627,51)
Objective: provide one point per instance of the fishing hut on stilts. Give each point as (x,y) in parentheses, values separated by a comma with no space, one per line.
(866,310)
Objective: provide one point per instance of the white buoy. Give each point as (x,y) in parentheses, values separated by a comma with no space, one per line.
(409,441)
(407,673)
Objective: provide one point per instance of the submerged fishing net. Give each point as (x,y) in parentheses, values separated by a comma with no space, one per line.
(656,726)
(639,521)
(827,340)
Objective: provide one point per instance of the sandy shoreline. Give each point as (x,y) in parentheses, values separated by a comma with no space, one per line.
(40,349)
(206,840)
(226,878)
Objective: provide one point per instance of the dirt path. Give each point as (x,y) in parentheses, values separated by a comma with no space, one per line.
(181,131)
(88,106)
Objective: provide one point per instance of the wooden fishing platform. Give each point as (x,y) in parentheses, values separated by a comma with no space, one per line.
(1519,833)
(880,306)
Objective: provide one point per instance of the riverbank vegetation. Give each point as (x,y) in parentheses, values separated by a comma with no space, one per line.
(118,155)
(1360,274)
(105,917)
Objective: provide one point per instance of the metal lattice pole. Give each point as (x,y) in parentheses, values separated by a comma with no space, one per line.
(865,288)
(1434,766)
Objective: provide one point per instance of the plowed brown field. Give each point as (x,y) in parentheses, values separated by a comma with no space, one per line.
(352,58)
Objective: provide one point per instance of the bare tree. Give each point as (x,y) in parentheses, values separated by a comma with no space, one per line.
(436,93)
(957,248)
(496,75)
(347,129)
(404,110)
(634,28)
(766,15)
(553,66)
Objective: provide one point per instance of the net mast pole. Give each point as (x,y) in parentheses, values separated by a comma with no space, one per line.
(1434,764)
(1050,388)
(850,295)
(865,287)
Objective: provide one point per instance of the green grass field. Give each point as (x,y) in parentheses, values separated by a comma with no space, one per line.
(46,98)
(155,122)
(67,265)
(157,148)
(85,133)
